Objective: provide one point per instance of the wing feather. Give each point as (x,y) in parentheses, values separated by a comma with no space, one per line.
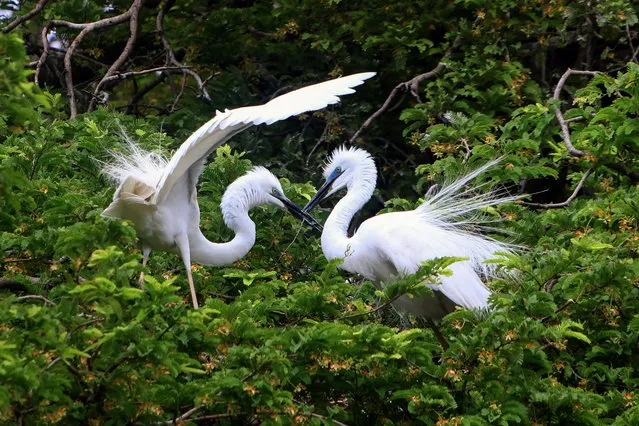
(225,125)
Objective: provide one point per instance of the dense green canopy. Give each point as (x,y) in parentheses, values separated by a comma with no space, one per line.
(283,337)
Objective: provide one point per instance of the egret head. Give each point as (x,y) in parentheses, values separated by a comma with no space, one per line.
(345,167)
(258,187)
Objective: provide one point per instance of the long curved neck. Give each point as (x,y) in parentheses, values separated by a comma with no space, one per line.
(209,253)
(238,199)
(335,241)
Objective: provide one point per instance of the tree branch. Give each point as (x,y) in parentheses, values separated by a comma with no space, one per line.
(19,20)
(134,13)
(146,89)
(123,75)
(560,117)
(36,296)
(412,85)
(45,52)
(319,416)
(170,54)
(569,199)
(85,30)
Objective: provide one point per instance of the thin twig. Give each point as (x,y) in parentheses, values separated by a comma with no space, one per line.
(142,92)
(36,296)
(122,76)
(52,363)
(45,52)
(321,139)
(20,19)
(179,95)
(569,199)
(412,85)
(372,311)
(183,417)
(171,59)
(319,416)
(468,152)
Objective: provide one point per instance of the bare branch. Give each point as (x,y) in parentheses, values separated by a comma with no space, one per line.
(122,76)
(52,363)
(86,29)
(36,296)
(255,31)
(134,11)
(562,122)
(45,52)
(171,59)
(146,89)
(19,20)
(569,199)
(412,85)
(468,151)
(179,95)
(319,416)
(185,416)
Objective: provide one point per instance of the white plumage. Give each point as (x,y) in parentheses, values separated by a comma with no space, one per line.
(394,244)
(160,196)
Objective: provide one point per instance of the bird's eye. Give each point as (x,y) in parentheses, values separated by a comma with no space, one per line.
(275,191)
(338,170)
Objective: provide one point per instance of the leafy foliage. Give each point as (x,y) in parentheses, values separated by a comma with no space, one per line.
(283,337)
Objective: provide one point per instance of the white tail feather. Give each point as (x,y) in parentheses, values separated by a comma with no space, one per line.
(458,211)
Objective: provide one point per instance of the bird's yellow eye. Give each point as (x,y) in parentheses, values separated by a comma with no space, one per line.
(338,170)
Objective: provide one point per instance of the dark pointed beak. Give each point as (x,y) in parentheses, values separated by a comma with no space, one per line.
(300,214)
(320,194)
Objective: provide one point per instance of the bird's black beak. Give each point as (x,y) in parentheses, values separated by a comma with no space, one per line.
(300,214)
(320,194)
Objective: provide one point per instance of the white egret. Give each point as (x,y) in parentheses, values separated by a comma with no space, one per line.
(160,196)
(394,244)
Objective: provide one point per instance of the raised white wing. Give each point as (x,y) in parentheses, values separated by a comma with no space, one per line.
(230,122)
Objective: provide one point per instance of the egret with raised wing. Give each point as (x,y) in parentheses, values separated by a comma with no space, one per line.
(160,196)
(394,244)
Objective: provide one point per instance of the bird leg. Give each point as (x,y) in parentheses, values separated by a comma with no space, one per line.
(191,285)
(185,253)
(145,258)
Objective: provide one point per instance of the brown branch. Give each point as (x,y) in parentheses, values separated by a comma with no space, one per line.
(185,416)
(133,28)
(19,20)
(255,31)
(569,199)
(468,151)
(36,296)
(412,85)
(85,30)
(170,54)
(146,89)
(123,75)
(319,416)
(179,95)
(562,122)
(45,52)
